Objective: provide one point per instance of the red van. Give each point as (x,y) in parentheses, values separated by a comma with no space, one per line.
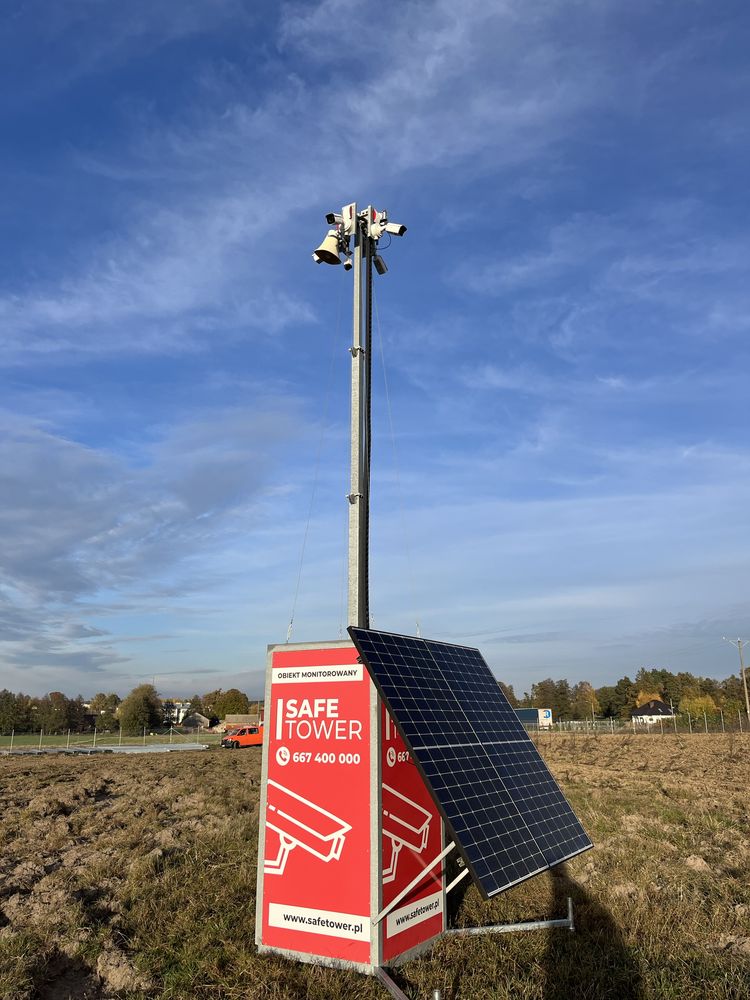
(245,736)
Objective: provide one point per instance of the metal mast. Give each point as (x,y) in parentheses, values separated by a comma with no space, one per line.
(355,239)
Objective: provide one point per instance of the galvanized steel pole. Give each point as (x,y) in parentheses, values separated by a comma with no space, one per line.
(357,605)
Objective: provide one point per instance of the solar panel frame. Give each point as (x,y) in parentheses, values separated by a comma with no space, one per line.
(535,828)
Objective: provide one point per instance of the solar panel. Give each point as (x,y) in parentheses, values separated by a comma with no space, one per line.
(506,812)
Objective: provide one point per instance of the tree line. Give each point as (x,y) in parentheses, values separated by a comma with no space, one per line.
(683,691)
(144,709)
(141,709)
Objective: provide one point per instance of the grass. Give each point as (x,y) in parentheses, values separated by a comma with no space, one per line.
(134,878)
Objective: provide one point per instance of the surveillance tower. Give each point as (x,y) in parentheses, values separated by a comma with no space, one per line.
(354,241)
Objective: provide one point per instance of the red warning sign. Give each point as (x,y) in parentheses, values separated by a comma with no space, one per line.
(316,852)
(412,839)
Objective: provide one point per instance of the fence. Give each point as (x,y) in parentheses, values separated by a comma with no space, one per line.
(40,740)
(682,722)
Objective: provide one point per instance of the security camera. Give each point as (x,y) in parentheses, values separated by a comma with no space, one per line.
(348,264)
(405,824)
(380,265)
(333,218)
(301,823)
(395,229)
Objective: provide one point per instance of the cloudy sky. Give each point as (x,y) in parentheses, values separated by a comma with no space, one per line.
(561,460)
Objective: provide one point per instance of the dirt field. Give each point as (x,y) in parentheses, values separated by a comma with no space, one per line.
(135,878)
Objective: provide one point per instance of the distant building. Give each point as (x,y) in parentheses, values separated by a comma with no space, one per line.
(179,710)
(196,721)
(651,712)
(541,718)
(246,719)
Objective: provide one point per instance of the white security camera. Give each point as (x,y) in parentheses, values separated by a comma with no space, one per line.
(333,218)
(395,229)
(405,824)
(348,264)
(301,823)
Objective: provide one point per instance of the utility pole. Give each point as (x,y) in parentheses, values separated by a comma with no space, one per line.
(739,643)
(354,241)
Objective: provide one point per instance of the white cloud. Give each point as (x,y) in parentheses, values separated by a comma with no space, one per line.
(81,526)
(191,259)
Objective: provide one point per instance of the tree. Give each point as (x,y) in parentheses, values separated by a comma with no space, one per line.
(585,703)
(644,695)
(196,705)
(552,694)
(543,694)
(617,700)
(223,703)
(711,687)
(697,704)
(606,697)
(509,693)
(105,706)
(140,710)
(209,700)
(562,706)
(679,685)
(77,714)
(732,695)
(56,713)
(11,712)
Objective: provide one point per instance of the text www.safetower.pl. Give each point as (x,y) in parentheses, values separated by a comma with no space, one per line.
(418,911)
(353,926)
(293,918)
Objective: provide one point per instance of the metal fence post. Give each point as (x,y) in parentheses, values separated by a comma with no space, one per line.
(705,721)
(721,713)
(739,716)
(12,734)
(690,723)
(41,737)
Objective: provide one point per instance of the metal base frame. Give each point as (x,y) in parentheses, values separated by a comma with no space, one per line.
(527,925)
(382,976)
(568,923)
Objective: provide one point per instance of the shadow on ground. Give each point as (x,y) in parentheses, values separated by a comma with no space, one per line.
(594,962)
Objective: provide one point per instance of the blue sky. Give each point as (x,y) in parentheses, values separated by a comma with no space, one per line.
(564,330)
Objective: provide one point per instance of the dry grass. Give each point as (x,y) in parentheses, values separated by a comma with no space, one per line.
(135,878)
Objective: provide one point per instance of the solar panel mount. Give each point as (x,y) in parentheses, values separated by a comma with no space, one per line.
(504,809)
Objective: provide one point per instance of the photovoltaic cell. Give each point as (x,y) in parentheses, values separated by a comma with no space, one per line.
(506,812)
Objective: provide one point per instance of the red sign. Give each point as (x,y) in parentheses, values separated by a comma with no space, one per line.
(316,856)
(412,839)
